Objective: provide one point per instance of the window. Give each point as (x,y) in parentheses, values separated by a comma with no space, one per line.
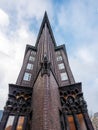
(9,123)
(64,76)
(29,66)
(20,123)
(58,53)
(31,58)
(27,76)
(33,52)
(82,122)
(61,66)
(71,123)
(59,58)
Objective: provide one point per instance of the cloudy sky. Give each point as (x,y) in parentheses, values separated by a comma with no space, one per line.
(74,23)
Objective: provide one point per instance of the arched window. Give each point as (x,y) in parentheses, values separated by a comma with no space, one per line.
(20,123)
(9,123)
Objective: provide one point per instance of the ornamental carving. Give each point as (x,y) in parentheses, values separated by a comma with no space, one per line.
(45,66)
(72,100)
(19,100)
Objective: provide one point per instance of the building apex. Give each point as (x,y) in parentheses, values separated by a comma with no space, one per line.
(45,14)
(45,21)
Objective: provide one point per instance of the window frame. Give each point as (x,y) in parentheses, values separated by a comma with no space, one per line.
(58,53)
(33,53)
(10,121)
(27,76)
(59,58)
(19,123)
(29,66)
(31,58)
(61,66)
(64,76)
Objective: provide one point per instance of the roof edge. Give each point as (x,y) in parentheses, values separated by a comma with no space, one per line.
(45,20)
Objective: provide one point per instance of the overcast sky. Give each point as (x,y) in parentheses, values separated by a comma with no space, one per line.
(74,23)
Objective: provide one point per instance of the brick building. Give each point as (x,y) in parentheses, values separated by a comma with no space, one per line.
(94,120)
(45,96)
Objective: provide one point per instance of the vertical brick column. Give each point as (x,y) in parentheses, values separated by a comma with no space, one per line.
(46,102)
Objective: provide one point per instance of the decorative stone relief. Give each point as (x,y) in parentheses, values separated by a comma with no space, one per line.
(19,100)
(45,66)
(72,99)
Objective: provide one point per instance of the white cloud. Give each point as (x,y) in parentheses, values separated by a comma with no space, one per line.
(22,33)
(12,49)
(79,17)
(85,55)
(27,9)
(4,18)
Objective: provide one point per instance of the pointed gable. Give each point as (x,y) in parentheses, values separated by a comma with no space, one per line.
(45,21)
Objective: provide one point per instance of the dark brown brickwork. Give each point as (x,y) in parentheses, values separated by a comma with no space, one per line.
(46,104)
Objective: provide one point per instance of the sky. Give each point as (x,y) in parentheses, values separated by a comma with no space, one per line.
(74,23)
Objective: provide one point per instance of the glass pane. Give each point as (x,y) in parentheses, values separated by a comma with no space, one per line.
(27,76)
(71,123)
(59,58)
(61,66)
(20,123)
(29,66)
(81,121)
(58,53)
(1,113)
(64,76)
(33,52)
(9,123)
(31,58)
